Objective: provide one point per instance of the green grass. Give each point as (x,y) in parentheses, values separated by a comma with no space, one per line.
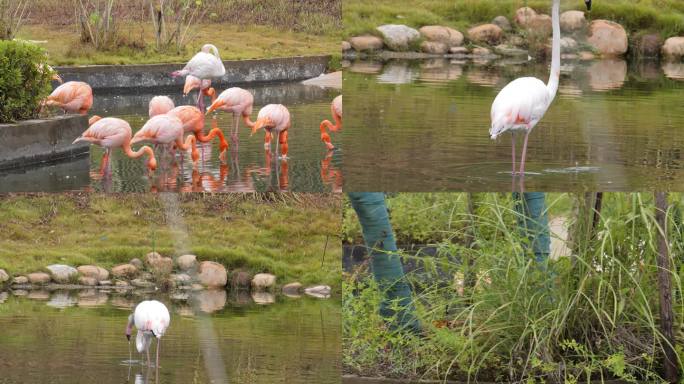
(664,16)
(281,234)
(590,317)
(234,43)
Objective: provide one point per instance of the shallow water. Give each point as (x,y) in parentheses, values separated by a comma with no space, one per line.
(423,126)
(214,337)
(310,168)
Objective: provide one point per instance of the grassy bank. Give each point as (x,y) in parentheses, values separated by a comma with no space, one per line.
(663,16)
(503,317)
(282,234)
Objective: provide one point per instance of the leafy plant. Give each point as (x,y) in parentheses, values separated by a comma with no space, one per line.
(24,80)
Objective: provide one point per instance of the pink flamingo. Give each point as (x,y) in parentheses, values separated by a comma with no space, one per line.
(72,96)
(166,130)
(205,65)
(110,133)
(238,101)
(336,109)
(523,102)
(274,119)
(193,122)
(205,88)
(159,105)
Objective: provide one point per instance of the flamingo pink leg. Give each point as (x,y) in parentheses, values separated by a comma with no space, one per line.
(513,150)
(158,346)
(524,153)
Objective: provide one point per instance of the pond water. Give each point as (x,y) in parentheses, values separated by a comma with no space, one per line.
(310,168)
(214,337)
(423,125)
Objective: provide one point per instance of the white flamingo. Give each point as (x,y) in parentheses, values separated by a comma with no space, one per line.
(524,101)
(151,319)
(205,65)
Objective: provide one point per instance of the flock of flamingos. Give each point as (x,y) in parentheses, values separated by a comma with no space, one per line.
(169,124)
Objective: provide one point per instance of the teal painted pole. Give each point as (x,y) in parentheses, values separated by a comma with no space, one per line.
(533,221)
(385,263)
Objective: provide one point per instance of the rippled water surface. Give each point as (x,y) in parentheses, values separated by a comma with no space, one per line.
(423,126)
(310,168)
(214,337)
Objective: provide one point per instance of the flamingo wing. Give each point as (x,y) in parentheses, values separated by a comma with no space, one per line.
(108,132)
(519,105)
(204,66)
(337,105)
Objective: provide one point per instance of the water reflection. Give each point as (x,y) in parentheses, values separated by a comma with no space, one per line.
(613,126)
(77,336)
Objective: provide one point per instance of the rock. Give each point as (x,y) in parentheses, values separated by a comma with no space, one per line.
(366,43)
(607,74)
(125,271)
(187,262)
(140,283)
(398,72)
(20,280)
(586,55)
(38,294)
(210,300)
(120,283)
(480,51)
(212,274)
(524,15)
(87,280)
(158,264)
(179,296)
(263,281)
(607,37)
(365,66)
(61,299)
(137,263)
(346,46)
(439,34)
(92,298)
(649,45)
(98,273)
(674,71)
(568,44)
(3,276)
(507,50)
(263,298)
(433,47)
(62,273)
(673,48)
(146,276)
(240,279)
(181,279)
(292,289)
(487,33)
(571,21)
(38,278)
(197,287)
(19,292)
(458,50)
(318,291)
(105,282)
(502,22)
(398,37)
(541,25)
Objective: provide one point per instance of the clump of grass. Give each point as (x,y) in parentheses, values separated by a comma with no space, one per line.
(592,316)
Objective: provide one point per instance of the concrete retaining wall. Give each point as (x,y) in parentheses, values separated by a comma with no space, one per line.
(157,75)
(33,142)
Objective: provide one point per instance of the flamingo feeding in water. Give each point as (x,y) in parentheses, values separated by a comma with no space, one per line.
(523,102)
(151,318)
(166,130)
(193,122)
(110,133)
(159,105)
(336,109)
(274,119)
(205,65)
(72,96)
(238,101)
(205,88)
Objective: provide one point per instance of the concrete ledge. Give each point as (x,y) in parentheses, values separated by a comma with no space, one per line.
(237,72)
(33,142)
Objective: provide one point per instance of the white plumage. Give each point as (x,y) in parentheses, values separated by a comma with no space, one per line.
(151,319)
(206,64)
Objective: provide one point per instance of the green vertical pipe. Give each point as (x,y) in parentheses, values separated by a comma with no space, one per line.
(534,223)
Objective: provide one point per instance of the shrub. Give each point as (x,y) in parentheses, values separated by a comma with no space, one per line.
(24,81)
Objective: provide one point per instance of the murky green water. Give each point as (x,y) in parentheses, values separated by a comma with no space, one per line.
(309,168)
(423,126)
(214,337)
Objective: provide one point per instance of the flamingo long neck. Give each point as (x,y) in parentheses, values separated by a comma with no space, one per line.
(555,51)
(151,161)
(248,121)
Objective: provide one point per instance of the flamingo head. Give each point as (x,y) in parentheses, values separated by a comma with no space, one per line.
(588,4)
(152,162)
(191,82)
(57,78)
(94,120)
(262,122)
(218,103)
(210,48)
(129,327)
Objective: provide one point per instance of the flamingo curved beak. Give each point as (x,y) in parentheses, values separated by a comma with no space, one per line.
(215,105)
(261,123)
(58,78)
